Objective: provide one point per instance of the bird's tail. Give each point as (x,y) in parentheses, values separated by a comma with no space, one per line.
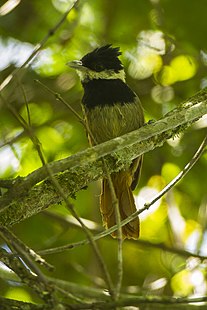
(122,186)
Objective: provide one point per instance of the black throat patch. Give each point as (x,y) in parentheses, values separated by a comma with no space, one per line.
(106,93)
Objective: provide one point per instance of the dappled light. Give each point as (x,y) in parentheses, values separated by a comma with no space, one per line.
(50,175)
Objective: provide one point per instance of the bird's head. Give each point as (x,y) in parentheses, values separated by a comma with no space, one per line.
(101,63)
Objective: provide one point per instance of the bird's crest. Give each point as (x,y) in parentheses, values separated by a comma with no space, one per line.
(103,58)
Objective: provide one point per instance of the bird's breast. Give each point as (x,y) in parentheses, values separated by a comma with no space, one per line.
(108,122)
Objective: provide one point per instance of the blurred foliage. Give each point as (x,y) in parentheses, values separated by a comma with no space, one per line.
(164,50)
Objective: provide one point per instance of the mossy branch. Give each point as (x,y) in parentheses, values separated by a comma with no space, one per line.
(27,196)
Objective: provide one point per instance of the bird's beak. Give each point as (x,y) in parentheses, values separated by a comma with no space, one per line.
(76,64)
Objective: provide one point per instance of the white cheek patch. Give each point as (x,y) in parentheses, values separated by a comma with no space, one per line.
(88,75)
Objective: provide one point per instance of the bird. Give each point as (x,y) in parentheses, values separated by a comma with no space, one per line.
(111,109)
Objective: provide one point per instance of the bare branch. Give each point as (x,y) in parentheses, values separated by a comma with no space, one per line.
(68,221)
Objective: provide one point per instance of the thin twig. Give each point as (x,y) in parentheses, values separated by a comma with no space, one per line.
(68,221)
(66,293)
(160,246)
(180,176)
(39,46)
(31,276)
(61,99)
(12,140)
(26,102)
(37,281)
(26,127)
(22,248)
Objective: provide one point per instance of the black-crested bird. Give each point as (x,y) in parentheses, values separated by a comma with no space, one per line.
(111,109)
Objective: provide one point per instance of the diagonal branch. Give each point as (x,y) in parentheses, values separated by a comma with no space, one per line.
(22,199)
